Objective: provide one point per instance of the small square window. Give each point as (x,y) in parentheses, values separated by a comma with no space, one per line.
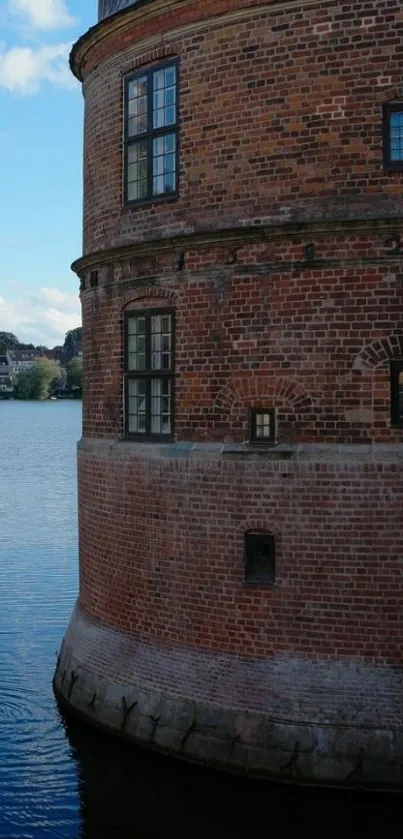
(396,393)
(393,135)
(263,425)
(260,562)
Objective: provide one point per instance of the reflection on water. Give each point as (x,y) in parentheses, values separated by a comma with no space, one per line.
(38,562)
(59,778)
(127,792)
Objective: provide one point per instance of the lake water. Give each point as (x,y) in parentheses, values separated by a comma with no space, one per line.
(59,778)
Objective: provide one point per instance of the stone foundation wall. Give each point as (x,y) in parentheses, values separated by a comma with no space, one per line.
(170,647)
(176,700)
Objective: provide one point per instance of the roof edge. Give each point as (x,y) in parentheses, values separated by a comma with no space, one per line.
(100,30)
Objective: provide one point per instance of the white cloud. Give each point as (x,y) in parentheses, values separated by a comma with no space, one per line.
(22,69)
(41,318)
(43,14)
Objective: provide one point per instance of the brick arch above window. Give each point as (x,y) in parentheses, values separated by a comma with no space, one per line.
(149,296)
(392,93)
(256,524)
(378,353)
(278,391)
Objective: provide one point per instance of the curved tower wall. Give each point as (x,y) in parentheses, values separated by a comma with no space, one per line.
(280,259)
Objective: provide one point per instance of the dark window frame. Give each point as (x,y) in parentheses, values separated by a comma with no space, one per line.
(396,367)
(255,574)
(262,441)
(388,164)
(151,134)
(148,374)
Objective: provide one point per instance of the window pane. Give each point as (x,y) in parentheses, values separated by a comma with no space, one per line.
(161,342)
(138,88)
(170,76)
(137,107)
(137,113)
(401,397)
(160,406)
(158,185)
(137,171)
(164,97)
(170,96)
(169,115)
(159,80)
(136,348)
(158,99)
(137,190)
(396,135)
(136,325)
(137,406)
(263,425)
(164,164)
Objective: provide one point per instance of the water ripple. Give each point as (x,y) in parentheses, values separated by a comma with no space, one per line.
(38,561)
(86,785)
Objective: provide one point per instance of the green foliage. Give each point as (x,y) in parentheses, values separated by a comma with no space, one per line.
(75,374)
(37,381)
(72,336)
(8,341)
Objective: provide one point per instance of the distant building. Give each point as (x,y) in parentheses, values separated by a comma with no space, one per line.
(6,381)
(23,360)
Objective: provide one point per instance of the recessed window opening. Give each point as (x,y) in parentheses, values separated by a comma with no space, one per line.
(149,369)
(393,135)
(396,395)
(263,425)
(151,133)
(260,560)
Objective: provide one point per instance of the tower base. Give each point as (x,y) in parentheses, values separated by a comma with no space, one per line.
(135,690)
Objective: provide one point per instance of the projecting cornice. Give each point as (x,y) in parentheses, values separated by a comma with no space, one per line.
(120,17)
(118,20)
(386,228)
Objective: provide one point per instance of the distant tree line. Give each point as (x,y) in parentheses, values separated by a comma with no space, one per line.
(45,378)
(9,341)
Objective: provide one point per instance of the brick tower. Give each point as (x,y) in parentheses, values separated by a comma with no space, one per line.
(240,471)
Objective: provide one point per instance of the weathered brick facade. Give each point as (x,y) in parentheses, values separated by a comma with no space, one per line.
(282,259)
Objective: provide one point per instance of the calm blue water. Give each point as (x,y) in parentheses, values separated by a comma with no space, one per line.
(59,778)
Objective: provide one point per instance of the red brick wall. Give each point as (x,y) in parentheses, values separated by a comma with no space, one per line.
(314,342)
(280,133)
(162,553)
(280,116)
(280,123)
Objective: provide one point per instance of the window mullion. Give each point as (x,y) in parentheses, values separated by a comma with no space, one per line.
(150,164)
(149,375)
(148,407)
(150,134)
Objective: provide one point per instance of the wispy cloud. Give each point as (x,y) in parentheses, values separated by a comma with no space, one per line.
(22,69)
(43,14)
(41,318)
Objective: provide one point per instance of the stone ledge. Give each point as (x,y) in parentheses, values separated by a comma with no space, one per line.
(388,453)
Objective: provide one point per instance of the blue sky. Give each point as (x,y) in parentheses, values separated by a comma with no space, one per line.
(41,115)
